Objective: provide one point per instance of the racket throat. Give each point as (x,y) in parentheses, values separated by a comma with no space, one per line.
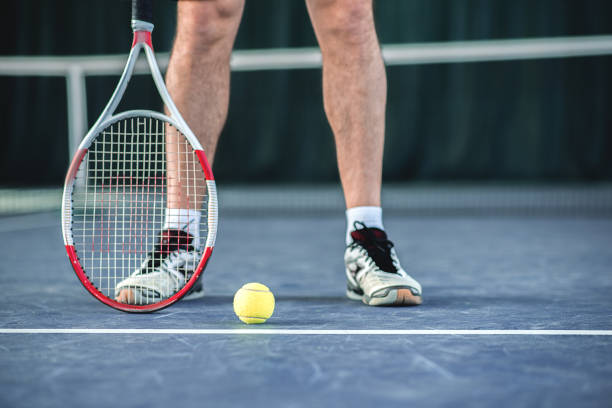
(142,32)
(142,37)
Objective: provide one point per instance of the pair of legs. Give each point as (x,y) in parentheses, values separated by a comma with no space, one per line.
(354,83)
(354,92)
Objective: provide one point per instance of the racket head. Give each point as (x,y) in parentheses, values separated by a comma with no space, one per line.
(115,196)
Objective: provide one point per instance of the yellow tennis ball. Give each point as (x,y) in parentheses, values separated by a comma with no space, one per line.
(253,303)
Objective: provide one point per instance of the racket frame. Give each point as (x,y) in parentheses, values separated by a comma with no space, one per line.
(142,41)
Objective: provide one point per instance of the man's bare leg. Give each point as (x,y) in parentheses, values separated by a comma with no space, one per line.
(198,80)
(198,77)
(354,92)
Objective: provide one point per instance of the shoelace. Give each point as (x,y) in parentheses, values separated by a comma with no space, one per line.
(375,242)
(169,241)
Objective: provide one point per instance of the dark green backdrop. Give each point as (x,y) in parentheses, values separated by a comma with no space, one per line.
(524,120)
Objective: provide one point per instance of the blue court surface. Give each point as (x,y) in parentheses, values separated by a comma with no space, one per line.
(517,312)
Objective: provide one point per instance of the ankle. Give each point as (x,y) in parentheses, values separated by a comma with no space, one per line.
(370,216)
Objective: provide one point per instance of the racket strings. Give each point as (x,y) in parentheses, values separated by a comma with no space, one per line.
(132,172)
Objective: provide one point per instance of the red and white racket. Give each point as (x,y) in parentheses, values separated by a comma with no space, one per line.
(127,170)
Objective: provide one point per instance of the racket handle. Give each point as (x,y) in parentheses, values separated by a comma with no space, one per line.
(142,10)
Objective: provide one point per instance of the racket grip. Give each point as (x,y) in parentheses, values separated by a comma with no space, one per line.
(142,10)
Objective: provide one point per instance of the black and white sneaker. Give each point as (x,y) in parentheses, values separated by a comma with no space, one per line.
(374,273)
(164,271)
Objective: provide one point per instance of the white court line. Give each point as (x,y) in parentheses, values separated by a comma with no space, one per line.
(316,332)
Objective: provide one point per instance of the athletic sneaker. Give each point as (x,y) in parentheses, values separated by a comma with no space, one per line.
(165,270)
(374,273)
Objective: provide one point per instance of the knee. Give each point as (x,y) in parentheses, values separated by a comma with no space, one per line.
(350,22)
(201,24)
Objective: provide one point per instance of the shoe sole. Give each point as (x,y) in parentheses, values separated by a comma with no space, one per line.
(394,297)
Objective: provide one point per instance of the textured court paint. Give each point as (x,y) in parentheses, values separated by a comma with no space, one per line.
(484,273)
(328,332)
(296,371)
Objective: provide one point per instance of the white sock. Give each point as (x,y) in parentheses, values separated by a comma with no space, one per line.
(186,220)
(370,216)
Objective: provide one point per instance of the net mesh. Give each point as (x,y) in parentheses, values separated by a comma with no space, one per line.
(133,171)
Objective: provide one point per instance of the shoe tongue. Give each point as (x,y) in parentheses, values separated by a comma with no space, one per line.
(173,240)
(360,235)
(369,238)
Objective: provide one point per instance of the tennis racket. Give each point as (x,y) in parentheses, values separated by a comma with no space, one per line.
(128,169)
